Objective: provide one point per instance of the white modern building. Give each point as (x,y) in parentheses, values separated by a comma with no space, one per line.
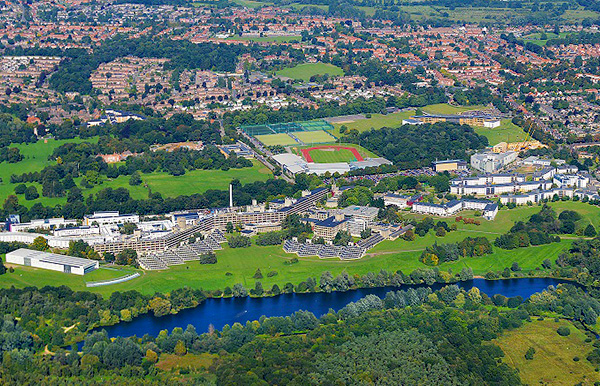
(48,223)
(536,196)
(492,162)
(401,201)
(489,209)
(571,181)
(77,231)
(51,261)
(108,218)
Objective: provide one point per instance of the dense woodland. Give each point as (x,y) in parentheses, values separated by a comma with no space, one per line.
(412,336)
(412,146)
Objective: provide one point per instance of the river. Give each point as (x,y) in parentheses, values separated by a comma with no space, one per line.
(222,311)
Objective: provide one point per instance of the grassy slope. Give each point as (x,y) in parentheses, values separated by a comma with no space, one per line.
(389,255)
(197,181)
(552,363)
(507,132)
(35,159)
(444,108)
(307,70)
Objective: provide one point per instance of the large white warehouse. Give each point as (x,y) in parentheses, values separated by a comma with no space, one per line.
(51,261)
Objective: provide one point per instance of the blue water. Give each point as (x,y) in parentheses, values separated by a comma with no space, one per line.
(220,312)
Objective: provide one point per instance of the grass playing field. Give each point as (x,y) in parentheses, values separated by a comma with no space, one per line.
(377,121)
(506,132)
(325,156)
(444,108)
(552,363)
(318,136)
(307,70)
(330,156)
(276,139)
(389,255)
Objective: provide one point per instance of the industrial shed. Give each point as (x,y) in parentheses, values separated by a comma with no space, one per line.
(51,261)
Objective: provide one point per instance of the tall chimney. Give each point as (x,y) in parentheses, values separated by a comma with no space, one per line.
(231,195)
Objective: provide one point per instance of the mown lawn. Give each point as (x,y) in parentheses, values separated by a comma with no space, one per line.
(377,121)
(389,255)
(307,70)
(444,108)
(506,132)
(552,363)
(28,276)
(199,181)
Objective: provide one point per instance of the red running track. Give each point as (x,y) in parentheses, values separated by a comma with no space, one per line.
(308,158)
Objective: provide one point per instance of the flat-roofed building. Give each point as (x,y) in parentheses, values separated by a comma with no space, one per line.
(366,213)
(111,217)
(450,165)
(51,261)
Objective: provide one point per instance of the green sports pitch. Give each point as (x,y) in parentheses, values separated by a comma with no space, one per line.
(276,139)
(310,137)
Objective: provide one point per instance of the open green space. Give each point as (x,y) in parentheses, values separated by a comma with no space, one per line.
(389,255)
(35,158)
(307,70)
(195,181)
(377,121)
(299,6)
(331,156)
(552,363)
(276,139)
(28,276)
(506,132)
(252,4)
(310,137)
(361,150)
(199,181)
(445,108)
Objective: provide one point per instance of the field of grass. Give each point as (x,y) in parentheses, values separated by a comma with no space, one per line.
(35,159)
(196,181)
(331,156)
(377,121)
(388,255)
(310,137)
(28,276)
(252,4)
(552,363)
(506,132)
(276,139)
(169,362)
(361,150)
(199,181)
(307,70)
(444,108)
